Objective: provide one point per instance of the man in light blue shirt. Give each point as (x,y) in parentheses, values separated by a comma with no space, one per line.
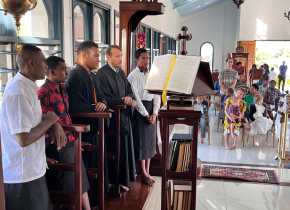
(282,75)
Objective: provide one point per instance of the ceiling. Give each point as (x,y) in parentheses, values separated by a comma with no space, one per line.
(187,7)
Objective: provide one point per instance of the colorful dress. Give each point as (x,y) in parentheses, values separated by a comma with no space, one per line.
(227,126)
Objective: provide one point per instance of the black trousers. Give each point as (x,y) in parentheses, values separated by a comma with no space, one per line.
(282,79)
(31,195)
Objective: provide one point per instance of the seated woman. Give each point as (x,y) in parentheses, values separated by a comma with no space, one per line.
(270,94)
(239,94)
(259,124)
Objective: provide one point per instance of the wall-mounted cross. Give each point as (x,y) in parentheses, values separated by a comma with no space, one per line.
(183,37)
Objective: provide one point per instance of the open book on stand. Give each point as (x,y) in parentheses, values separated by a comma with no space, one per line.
(183,76)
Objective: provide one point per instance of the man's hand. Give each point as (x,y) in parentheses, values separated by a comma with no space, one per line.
(57,134)
(148,118)
(153,119)
(132,103)
(127,100)
(52,161)
(100,107)
(51,117)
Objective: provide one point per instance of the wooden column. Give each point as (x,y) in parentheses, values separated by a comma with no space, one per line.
(131,13)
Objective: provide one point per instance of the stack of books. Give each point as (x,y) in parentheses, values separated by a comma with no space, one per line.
(178,195)
(179,153)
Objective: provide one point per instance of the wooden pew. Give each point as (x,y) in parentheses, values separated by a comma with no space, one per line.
(116,155)
(97,173)
(66,197)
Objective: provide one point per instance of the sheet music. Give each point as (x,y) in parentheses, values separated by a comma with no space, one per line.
(159,72)
(183,74)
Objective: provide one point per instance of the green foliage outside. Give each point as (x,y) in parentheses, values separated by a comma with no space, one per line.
(261,56)
(277,82)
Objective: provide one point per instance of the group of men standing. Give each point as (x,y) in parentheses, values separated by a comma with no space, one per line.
(31,119)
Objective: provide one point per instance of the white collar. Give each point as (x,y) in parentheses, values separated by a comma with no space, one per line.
(27,81)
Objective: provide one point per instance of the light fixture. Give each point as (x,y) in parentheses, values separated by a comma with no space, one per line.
(239,2)
(17,8)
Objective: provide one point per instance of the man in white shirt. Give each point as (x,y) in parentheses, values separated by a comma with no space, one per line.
(145,113)
(22,134)
(273,74)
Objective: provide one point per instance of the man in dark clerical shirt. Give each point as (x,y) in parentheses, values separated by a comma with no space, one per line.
(84,97)
(113,83)
(53,97)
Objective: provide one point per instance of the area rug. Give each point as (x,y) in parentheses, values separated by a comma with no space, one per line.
(247,174)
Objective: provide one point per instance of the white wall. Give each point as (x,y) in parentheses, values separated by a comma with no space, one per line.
(169,23)
(218,25)
(264,20)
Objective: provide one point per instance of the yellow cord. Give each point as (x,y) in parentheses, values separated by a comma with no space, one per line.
(164,93)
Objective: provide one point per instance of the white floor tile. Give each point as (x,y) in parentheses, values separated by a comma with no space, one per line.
(250,192)
(210,189)
(210,204)
(242,205)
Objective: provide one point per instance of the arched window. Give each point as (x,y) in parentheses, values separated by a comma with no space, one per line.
(35,22)
(79,32)
(97,28)
(206,53)
(2,23)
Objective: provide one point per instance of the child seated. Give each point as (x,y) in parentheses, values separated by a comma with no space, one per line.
(229,93)
(259,124)
(203,118)
(235,112)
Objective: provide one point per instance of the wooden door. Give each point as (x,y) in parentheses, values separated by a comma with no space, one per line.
(249,47)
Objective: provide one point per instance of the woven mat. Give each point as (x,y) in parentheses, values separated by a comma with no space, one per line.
(247,174)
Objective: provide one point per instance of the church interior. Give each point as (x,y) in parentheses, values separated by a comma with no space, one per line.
(210,150)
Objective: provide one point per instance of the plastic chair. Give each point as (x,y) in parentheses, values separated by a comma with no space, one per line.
(265,114)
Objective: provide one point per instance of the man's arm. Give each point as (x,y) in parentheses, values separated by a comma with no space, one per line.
(26,139)
(221,84)
(234,83)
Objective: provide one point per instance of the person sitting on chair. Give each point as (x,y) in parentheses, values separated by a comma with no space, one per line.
(250,98)
(53,96)
(241,80)
(259,124)
(254,66)
(270,94)
(217,97)
(203,118)
(236,115)
(265,85)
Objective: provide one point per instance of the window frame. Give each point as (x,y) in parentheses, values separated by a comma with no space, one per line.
(116,14)
(212,52)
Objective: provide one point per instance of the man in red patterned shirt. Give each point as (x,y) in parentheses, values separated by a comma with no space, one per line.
(59,144)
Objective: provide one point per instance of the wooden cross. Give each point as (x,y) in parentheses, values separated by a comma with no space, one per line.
(183,37)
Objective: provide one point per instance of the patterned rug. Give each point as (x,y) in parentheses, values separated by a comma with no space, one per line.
(251,175)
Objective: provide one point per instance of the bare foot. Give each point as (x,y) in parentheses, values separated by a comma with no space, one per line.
(95,208)
(202,141)
(228,148)
(234,147)
(147,180)
(123,188)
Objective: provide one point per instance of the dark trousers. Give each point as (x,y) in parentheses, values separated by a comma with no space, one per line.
(281,79)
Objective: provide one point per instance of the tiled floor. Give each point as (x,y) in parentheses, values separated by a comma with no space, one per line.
(235,195)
